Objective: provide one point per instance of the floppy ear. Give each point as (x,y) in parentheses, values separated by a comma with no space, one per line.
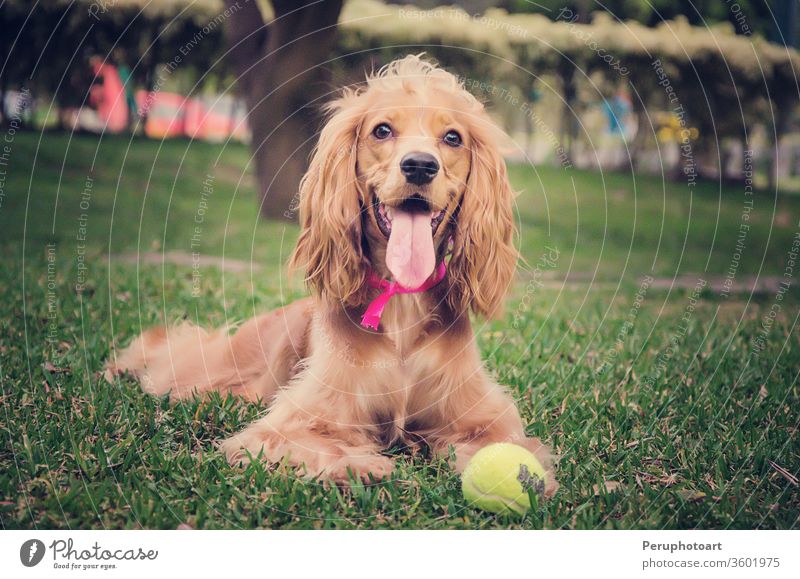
(484,257)
(329,246)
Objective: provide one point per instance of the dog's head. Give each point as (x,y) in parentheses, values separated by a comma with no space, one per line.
(403,165)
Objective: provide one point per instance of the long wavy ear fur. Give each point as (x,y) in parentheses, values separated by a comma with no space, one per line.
(484,258)
(329,247)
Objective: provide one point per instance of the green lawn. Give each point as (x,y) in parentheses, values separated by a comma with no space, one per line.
(669,407)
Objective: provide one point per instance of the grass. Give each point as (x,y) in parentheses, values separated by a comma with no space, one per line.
(665,409)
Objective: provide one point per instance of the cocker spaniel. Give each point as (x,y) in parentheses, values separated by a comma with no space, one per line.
(406,184)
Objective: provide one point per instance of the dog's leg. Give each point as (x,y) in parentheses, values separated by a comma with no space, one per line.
(316,427)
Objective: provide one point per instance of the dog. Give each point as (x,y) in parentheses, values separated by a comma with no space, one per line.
(407,227)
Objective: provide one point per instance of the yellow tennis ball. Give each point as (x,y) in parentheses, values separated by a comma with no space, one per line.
(498,477)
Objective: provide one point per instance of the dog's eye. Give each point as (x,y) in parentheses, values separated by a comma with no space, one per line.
(452,138)
(382,131)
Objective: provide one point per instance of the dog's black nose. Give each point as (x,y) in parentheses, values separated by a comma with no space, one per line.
(419,168)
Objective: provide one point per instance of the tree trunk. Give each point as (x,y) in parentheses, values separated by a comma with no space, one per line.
(151,69)
(282,80)
(568,128)
(779,128)
(639,141)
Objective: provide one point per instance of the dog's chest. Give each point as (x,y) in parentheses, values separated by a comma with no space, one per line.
(405,324)
(412,369)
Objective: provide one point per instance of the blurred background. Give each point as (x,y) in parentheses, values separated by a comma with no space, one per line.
(647,137)
(614,85)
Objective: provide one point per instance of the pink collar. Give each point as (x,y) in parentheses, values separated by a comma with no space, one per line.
(372,316)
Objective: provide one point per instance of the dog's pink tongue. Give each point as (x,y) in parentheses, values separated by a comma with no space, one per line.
(409,253)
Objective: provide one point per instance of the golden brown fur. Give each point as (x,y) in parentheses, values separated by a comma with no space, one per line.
(341,394)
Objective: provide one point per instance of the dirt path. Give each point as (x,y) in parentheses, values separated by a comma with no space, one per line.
(746,284)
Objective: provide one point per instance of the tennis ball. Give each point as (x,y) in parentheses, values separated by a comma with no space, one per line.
(498,477)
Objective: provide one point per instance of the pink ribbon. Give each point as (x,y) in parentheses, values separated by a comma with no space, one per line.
(372,316)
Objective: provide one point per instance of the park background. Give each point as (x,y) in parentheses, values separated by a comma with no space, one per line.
(149,164)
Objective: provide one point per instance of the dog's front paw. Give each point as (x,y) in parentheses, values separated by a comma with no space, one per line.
(312,456)
(245,446)
(366,468)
